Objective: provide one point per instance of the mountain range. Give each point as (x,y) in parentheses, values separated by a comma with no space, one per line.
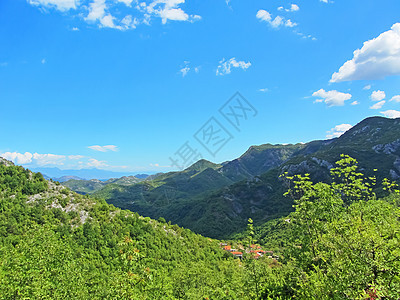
(85,174)
(217,199)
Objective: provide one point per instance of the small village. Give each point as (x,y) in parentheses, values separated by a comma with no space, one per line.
(254,251)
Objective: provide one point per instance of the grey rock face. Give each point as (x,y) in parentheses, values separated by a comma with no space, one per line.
(387,148)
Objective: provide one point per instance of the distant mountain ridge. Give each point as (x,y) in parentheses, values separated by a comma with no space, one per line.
(84,174)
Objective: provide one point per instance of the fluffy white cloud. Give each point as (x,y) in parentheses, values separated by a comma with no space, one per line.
(378,95)
(378,58)
(338,130)
(109,14)
(104,148)
(226,66)
(395,98)
(70,161)
(278,21)
(96,163)
(378,105)
(97,10)
(36,158)
(184,71)
(332,98)
(174,14)
(289,23)
(128,22)
(167,10)
(263,90)
(355,103)
(367,87)
(62,5)
(18,158)
(393,114)
(48,159)
(263,15)
(293,7)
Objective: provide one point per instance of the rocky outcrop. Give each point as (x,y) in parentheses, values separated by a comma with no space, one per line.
(6,162)
(389,148)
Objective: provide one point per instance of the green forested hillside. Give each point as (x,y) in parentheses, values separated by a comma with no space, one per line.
(56,244)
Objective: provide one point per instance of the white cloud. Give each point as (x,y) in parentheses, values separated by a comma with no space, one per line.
(263,15)
(36,158)
(18,158)
(332,98)
(305,36)
(294,7)
(367,87)
(393,114)
(48,159)
(66,162)
(62,5)
(174,14)
(395,98)
(104,148)
(378,105)
(325,1)
(226,65)
(128,22)
(278,21)
(167,10)
(378,58)
(43,61)
(97,10)
(185,70)
(108,14)
(338,130)
(355,103)
(378,95)
(263,90)
(96,163)
(289,23)
(197,69)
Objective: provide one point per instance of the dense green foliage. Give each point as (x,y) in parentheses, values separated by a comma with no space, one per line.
(18,180)
(47,253)
(341,242)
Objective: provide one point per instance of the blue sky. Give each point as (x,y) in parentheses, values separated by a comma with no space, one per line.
(125,85)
